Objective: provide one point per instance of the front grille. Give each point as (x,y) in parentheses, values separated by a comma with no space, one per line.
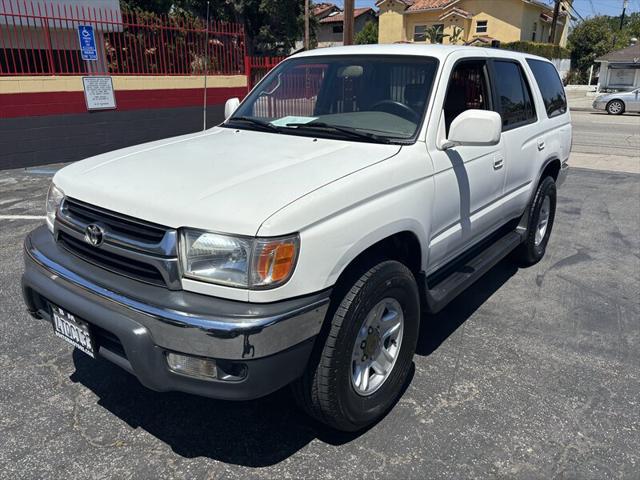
(131,247)
(138,230)
(110,261)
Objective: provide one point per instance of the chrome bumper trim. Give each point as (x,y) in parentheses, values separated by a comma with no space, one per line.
(206,335)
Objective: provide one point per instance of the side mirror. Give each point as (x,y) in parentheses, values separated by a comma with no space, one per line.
(230,107)
(474,127)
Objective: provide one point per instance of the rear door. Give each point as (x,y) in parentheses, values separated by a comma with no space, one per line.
(521,133)
(469,180)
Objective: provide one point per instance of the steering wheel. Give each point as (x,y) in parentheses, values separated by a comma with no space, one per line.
(397,108)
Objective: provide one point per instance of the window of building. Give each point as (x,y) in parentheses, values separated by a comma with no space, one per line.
(420,33)
(481,26)
(468,88)
(439,28)
(550,86)
(534,31)
(514,95)
(338,28)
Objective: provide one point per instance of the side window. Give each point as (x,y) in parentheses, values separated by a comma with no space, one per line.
(467,89)
(550,86)
(513,95)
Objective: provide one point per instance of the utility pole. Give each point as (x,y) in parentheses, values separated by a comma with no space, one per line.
(554,22)
(347,33)
(307,43)
(625,4)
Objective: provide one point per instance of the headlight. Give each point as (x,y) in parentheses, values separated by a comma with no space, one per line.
(54,199)
(238,261)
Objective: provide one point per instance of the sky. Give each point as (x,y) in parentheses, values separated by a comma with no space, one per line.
(586,8)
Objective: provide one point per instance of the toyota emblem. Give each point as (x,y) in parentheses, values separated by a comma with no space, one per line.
(94,235)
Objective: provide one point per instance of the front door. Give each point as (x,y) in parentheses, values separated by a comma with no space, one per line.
(469,180)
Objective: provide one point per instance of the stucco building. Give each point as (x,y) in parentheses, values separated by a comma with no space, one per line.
(477,21)
(620,70)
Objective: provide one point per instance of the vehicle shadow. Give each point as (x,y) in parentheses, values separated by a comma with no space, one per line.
(255,433)
(435,329)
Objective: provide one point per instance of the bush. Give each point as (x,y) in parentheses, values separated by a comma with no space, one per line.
(546,50)
(368,34)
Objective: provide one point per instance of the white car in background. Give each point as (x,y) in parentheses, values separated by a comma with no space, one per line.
(354,191)
(619,102)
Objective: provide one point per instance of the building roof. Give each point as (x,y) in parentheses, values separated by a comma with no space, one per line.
(420,5)
(626,55)
(339,17)
(322,9)
(455,11)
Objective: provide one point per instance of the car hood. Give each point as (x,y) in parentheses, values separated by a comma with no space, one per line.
(222,179)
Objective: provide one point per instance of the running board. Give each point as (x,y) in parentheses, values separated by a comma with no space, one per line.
(466,271)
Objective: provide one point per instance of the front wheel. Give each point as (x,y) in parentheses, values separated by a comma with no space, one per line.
(615,107)
(360,370)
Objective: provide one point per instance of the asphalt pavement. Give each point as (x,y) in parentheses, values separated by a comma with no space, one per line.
(532,373)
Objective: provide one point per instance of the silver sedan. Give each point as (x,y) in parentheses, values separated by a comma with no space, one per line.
(619,103)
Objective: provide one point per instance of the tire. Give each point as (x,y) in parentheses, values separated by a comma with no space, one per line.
(615,107)
(534,245)
(327,390)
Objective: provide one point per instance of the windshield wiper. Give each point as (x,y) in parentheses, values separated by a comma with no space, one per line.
(349,131)
(255,122)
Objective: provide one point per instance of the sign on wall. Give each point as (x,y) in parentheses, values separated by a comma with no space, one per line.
(87,43)
(622,77)
(98,93)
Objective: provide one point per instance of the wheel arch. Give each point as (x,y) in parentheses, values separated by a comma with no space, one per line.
(402,243)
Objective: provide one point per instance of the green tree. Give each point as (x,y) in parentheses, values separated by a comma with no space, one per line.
(434,34)
(456,36)
(368,34)
(598,36)
(271,26)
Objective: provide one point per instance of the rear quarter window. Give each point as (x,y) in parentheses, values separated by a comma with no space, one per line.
(550,85)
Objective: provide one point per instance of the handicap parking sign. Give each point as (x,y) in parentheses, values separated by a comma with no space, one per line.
(87,43)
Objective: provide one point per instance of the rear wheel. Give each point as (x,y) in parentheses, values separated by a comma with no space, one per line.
(615,107)
(359,370)
(539,224)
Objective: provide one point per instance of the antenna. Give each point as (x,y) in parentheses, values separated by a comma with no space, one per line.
(206,71)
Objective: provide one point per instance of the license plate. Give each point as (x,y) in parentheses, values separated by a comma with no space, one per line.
(72,329)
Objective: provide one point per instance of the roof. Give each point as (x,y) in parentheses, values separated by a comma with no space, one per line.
(626,55)
(420,5)
(19,12)
(440,52)
(339,17)
(455,11)
(321,9)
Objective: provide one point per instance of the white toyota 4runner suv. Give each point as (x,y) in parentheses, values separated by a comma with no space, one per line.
(354,191)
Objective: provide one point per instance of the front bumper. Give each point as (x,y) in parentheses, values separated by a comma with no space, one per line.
(599,105)
(271,343)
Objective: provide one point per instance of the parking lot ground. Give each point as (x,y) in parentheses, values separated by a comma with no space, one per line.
(532,373)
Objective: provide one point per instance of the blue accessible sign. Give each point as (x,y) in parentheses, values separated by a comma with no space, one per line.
(87,43)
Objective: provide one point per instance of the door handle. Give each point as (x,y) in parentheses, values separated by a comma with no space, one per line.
(498,163)
(541,144)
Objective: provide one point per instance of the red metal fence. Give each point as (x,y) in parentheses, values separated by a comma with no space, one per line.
(39,37)
(257,67)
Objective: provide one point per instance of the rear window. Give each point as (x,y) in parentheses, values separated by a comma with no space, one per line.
(550,86)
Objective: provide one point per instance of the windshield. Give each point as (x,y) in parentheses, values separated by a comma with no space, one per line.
(364,98)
